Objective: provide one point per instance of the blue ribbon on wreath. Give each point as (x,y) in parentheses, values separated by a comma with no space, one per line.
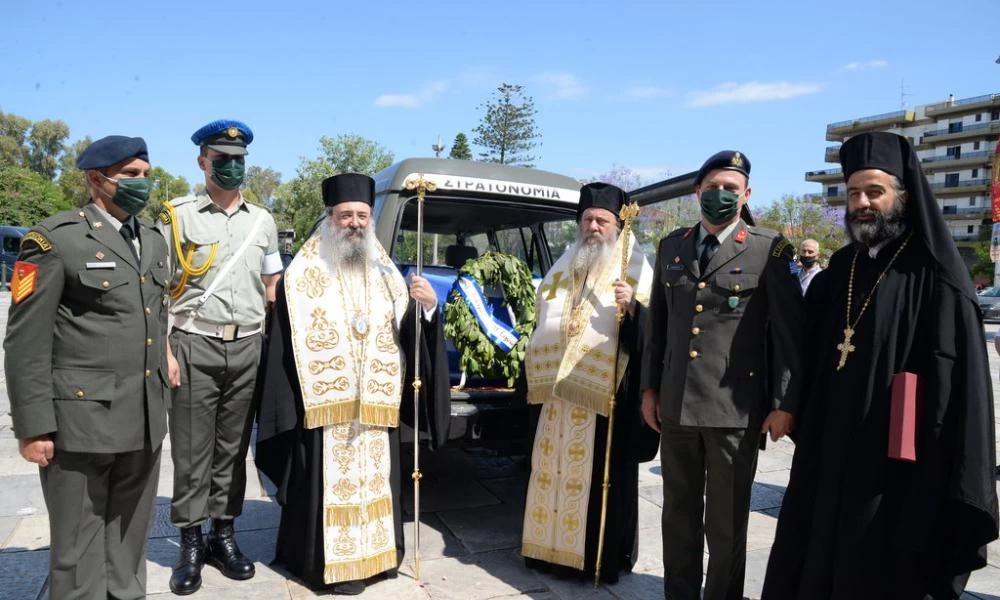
(497,331)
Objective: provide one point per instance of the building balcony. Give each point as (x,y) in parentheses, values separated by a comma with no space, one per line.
(825,176)
(839,199)
(965,237)
(964,106)
(832,154)
(937,137)
(838,132)
(980,158)
(966,213)
(967,186)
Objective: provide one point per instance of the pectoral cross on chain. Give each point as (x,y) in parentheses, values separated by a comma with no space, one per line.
(845,347)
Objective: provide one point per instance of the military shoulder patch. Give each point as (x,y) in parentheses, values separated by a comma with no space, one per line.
(38,239)
(781,247)
(24,281)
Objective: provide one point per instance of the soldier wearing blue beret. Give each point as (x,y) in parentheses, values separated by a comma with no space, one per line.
(225,263)
(721,367)
(84,362)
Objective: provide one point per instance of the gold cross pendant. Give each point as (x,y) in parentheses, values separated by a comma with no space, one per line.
(845,347)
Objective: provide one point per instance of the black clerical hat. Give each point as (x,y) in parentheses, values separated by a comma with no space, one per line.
(348,187)
(877,150)
(601,195)
(111,150)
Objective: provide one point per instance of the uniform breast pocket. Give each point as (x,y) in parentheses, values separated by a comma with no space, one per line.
(103,288)
(199,248)
(736,290)
(159,276)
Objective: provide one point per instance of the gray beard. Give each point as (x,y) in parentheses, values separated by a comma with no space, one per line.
(590,254)
(346,247)
(884,227)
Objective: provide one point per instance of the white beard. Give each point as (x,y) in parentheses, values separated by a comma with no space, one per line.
(345,248)
(590,255)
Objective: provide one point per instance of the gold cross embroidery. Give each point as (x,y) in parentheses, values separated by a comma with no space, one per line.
(557,282)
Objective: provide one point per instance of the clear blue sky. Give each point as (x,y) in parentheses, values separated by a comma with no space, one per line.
(653,86)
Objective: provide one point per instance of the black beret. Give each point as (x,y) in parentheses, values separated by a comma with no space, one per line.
(878,150)
(111,150)
(601,195)
(348,187)
(730,160)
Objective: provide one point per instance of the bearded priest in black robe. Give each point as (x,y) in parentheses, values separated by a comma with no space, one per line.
(335,383)
(857,523)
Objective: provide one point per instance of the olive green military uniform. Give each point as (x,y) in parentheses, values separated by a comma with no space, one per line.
(723,352)
(85,363)
(217,345)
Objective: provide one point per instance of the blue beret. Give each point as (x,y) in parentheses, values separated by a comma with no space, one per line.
(111,150)
(225,135)
(731,160)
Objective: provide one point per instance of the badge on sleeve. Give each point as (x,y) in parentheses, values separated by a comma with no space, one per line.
(38,239)
(23,283)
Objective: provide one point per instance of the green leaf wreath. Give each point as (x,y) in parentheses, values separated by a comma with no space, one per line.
(479,355)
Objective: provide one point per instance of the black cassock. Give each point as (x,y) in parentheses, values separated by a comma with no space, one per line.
(856,524)
(292,457)
(632,442)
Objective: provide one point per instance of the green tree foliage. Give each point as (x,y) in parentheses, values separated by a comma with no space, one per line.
(165,187)
(46,142)
(982,265)
(507,130)
(803,217)
(657,220)
(13,140)
(26,197)
(72,180)
(298,203)
(260,184)
(460,148)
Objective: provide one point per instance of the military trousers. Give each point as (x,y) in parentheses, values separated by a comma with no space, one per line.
(706,471)
(100,513)
(210,423)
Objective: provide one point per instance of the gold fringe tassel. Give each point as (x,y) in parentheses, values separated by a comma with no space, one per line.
(584,396)
(348,515)
(363,568)
(551,555)
(539,393)
(330,414)
(380,415)
(380,508)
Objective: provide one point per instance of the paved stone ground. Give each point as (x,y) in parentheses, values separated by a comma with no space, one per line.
(470,531)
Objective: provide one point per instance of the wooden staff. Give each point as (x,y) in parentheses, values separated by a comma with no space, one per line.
(627,214)
(422,186)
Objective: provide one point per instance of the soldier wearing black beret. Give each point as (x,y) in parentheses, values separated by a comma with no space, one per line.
(86,373)
(721,367)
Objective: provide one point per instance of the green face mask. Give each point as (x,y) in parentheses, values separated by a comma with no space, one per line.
(227,173)
(719,206)
(132,194)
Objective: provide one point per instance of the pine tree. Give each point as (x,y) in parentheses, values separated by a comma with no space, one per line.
(460,148)
(507,129)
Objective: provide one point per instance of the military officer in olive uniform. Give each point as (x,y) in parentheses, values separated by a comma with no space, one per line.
(225,263)
(721,367)
(86,373)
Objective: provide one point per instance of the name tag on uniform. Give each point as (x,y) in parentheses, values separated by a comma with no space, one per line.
(675,267)
(102,265)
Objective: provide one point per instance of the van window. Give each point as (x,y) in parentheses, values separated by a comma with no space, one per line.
(11,245)
(559,235)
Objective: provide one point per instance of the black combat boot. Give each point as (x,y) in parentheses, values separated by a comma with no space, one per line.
(222,552)
(186,578)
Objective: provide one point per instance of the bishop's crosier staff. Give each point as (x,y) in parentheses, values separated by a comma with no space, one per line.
(422,186)
(627,214)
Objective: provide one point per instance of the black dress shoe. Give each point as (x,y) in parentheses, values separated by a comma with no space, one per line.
(186,577)
(348,588)
(222,552)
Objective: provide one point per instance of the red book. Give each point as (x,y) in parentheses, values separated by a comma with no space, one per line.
(903,417)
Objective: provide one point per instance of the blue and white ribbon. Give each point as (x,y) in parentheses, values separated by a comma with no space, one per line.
(499,333)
